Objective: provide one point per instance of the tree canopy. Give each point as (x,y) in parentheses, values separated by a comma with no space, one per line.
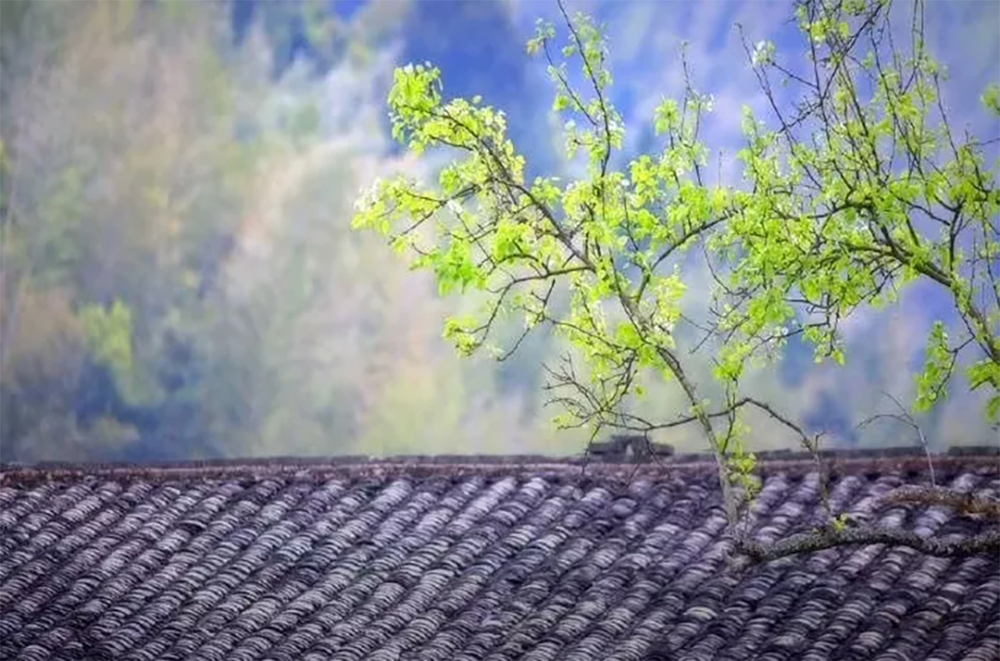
(860,188)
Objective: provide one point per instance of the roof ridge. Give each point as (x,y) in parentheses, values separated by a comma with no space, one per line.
(851,459)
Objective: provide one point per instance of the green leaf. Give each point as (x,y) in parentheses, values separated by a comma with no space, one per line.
(991,99)
(937,370)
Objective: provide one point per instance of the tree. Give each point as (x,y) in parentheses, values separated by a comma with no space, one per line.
(875,189)
(119,183)
(857,193)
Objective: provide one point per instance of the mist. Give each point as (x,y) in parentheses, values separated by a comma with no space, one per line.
(180,279)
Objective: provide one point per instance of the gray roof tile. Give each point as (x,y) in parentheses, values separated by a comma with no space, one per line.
(477,559)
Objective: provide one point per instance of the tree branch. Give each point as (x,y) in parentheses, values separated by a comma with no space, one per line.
(987,542)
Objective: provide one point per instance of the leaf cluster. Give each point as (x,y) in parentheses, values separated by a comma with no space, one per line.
(862,189)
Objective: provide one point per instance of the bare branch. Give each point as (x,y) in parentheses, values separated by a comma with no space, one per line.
(904,417)
(987,542)
(963,502)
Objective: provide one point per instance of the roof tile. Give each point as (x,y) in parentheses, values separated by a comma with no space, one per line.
(451,560)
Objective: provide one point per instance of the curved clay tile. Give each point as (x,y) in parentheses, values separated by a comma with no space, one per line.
(621,555)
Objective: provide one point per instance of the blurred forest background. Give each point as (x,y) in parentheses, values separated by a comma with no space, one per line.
(180,280)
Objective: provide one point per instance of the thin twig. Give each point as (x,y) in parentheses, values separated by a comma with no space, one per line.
(904,417)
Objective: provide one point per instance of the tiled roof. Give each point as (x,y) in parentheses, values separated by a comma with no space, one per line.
(447,558)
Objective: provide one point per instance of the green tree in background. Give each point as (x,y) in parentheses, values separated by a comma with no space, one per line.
(172,284)
(863,188)
(105,202)
(179,279)
(337,350)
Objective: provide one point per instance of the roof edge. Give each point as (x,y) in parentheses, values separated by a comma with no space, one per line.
(908,458)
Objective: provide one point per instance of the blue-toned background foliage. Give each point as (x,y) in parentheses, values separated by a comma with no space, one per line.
(180,279)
